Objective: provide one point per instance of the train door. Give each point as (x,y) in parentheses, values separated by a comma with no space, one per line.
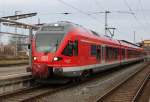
(98,53)
(103,54)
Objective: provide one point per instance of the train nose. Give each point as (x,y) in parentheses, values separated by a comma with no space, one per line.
(40,70)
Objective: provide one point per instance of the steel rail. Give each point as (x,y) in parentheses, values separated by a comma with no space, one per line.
(140,89)
(48,92)
(30,94)
(99,99)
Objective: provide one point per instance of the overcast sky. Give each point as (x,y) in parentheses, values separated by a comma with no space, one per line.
(126,23)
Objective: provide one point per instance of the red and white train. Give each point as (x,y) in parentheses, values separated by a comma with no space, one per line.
(64,49)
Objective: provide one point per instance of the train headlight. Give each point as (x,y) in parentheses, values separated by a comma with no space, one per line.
(34,58)
(55,58)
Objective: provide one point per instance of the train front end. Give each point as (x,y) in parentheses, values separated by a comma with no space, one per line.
(47,46)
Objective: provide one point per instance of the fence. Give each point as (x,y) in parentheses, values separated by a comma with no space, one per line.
(7,50)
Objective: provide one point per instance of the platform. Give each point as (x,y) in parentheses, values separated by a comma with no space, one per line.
(5,71)
(14,78)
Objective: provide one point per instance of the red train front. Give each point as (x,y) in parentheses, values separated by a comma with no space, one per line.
(54,50)
(69,50)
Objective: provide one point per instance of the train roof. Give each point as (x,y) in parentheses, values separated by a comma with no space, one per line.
(65,26)
(61,23)
(60,26)
(130,45)
(107,40)
(127,42)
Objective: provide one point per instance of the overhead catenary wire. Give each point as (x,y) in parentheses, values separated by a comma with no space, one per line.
(141,9)
(79,10)
(87,14)
(97,2)
(136,19)
(130,9)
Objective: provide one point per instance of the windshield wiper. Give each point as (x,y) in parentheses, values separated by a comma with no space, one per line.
(46,52)
(56,44)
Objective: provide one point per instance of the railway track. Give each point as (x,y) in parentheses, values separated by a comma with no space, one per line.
(32,94)
(140,96)
(129,90)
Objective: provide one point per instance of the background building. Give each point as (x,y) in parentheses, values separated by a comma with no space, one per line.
(146,45)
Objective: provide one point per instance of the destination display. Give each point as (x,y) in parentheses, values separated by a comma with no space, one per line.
(53,28)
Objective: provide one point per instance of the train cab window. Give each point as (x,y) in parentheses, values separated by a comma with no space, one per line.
(68,50)
(71,49)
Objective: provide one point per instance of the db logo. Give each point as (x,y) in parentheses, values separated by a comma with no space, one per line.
(68,61)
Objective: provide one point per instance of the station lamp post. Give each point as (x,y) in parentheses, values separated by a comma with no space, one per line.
(30,46)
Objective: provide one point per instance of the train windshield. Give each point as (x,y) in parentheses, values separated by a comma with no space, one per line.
(48,42)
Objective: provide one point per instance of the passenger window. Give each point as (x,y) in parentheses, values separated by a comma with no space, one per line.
(108,53)
(116,53)
(93,50)
(123,53)
(76,47)
(111,53)
(103,50)
(98,52)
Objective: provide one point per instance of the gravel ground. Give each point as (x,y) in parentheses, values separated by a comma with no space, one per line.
(87,92)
